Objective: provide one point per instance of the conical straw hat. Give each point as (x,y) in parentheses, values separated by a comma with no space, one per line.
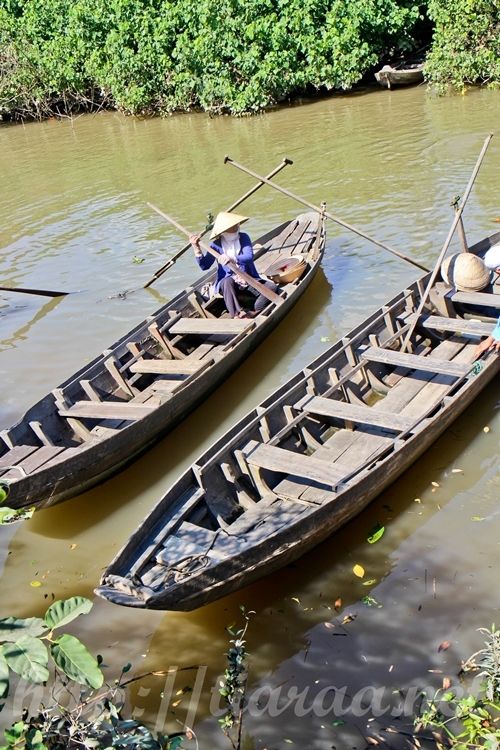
(492,257)
(224,221)
(466,272)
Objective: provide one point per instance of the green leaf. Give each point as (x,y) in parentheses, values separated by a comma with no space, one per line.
(4,677)
(10,515)
(71,656)
(28,658)
(65,610)
(377,533)
(338,722)
(4,491)
(12,628)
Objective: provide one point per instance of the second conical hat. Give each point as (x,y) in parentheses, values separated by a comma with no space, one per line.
(466,272)
(224,221)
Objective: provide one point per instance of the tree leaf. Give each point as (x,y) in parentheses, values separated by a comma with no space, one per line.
(28,658)
(4,491)
(377,533)
(65,610)
(11,515)
(444,646)
(71,656)
(4,677)
(358,571)
(12,628)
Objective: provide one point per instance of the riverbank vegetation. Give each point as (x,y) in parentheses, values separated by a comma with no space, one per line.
(234,56)
(238,56)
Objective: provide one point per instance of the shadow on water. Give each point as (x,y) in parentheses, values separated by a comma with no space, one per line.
(409,596)
(168,458)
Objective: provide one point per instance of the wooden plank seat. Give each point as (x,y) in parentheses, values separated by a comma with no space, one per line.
(107,410)
(455,325)
(169,366)
(34,461)
(486,299)
(327,407)
(261,456)
(210,326)
(16,454)
(414,362)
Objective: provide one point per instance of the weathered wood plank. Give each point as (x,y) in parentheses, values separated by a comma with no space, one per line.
(327,407)
(169,366)
(414,362)
(17,454)
(477,298)
(456,325)
(107,410)
(35,460)
(208,326)
(287,462)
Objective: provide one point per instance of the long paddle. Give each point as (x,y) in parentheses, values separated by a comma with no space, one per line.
(234,205)
(456,220)
(41,292)
(265,180)
(270,295)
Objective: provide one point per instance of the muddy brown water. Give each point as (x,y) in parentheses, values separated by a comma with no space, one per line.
(73,216)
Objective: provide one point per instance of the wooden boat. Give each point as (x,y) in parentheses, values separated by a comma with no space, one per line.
(112,409)
(311,456)
(406,75)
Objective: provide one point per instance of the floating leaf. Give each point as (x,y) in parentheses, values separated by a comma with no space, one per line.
(435,484)
(71,656)
(28,658)
(457,471)
(347,619)
(73,546)
(477,518)
(377,533)
(338,722)
(486,429)
(369,582)
(35,584)
(294,599)
(136,259)
(12,628)
(358,571)
(444,646)
(338,604)
(324,339)
(370,601)
(417,500)
(447,686)
(66,610)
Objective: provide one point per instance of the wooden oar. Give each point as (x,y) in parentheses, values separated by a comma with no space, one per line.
(234,205)
(330,216)
(270,295)
(41,292)
(456,220)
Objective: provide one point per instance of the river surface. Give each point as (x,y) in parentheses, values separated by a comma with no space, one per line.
(74,217)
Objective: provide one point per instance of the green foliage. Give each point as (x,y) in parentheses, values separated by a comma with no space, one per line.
(466,44)
(9,515)
(146,56)
(24,652)
(472,721)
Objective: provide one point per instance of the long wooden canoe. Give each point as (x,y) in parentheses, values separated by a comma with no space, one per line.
(311,456)
(112,409)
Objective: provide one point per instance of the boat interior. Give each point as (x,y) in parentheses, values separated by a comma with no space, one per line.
(148,366)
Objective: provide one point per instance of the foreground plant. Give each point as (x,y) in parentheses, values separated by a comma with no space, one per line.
(84,713)
(472,721)
(9,515)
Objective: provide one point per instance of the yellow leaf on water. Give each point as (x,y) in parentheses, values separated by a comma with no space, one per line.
(175,703)
(457,471)
(417,500)
(486,429)
(35,584)
(338,604)
(358,571)
(73,546)
(294,599)
(435,484)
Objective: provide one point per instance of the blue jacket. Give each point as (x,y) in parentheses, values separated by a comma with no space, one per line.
(244,260)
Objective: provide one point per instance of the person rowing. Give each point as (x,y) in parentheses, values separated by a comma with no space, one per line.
(232,245)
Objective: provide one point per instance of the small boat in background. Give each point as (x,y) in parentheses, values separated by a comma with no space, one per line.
(116,406)
(404,74)
(313,454)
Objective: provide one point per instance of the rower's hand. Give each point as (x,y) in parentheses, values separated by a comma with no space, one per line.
(224,259)
(195,243)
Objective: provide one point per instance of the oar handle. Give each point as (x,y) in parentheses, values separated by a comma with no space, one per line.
(227,159)
(285,162)
(268,293)
(437,266)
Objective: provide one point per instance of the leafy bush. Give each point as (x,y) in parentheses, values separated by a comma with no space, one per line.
(466,44)
(146,56)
